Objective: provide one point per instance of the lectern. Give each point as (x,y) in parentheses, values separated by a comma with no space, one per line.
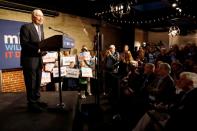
(56,43)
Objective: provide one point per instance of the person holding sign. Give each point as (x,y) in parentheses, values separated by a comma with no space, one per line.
(31,60)
(83,81)
(70,82)
(84,55)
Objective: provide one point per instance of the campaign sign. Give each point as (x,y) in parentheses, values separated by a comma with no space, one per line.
(72,73)
(56,72)
(68,59)
(84,56)
(86,72)
(49,66)
(10,48)
(46,78)
(50,57)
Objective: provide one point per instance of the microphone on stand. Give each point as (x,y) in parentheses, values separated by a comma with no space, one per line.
(58,31)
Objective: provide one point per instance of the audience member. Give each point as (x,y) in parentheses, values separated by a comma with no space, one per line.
(179,115)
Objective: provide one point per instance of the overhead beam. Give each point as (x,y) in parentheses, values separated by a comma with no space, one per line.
(25,8)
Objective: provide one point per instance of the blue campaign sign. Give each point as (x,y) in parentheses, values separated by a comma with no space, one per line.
(10,44)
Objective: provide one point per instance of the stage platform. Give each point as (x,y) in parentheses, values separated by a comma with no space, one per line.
(15,117)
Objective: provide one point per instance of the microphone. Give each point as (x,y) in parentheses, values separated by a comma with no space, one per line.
(58,31)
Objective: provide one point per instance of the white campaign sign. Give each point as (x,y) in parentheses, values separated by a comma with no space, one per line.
(46,77)
(56,72)
(72,73)
(49,66)
(86,72)
(68,59)
(50,57)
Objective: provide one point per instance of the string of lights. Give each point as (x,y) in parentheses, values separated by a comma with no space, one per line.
(121,14)
(146,21)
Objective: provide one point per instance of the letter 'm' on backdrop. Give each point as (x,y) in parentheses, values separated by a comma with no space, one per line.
(10,44)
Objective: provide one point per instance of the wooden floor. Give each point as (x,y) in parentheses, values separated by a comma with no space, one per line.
(15,117)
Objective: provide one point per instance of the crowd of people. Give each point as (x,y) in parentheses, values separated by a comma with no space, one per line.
(82,84)
(151,86)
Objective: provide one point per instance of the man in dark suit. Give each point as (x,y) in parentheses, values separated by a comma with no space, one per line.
(31,59)
(163,87)
(184,112)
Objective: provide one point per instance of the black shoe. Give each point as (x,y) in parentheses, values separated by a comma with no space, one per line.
(116,117)
(35,108)
(42,104)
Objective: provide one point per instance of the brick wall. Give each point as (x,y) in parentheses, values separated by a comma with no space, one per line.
(12,81)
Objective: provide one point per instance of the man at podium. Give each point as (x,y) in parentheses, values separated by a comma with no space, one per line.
(31,60)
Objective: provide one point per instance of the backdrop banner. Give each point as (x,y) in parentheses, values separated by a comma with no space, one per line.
(10,44)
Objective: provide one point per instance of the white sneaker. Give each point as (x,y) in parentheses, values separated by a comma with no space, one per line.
(89,93)
(83,96)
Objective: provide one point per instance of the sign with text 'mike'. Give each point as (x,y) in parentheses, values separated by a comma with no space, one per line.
(10,44)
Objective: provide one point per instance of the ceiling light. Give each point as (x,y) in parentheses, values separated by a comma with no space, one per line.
(177,8)
(174,5)
(120,9)
(174,31)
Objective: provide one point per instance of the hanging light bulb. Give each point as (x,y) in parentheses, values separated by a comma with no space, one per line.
(174,5)
(174,31)
(118,10)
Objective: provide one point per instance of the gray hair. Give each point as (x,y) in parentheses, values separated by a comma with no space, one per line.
(190,76)
(112,46)
(34,12)
(166,66)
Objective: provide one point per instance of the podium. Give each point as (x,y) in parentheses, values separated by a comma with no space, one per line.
(56,43)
